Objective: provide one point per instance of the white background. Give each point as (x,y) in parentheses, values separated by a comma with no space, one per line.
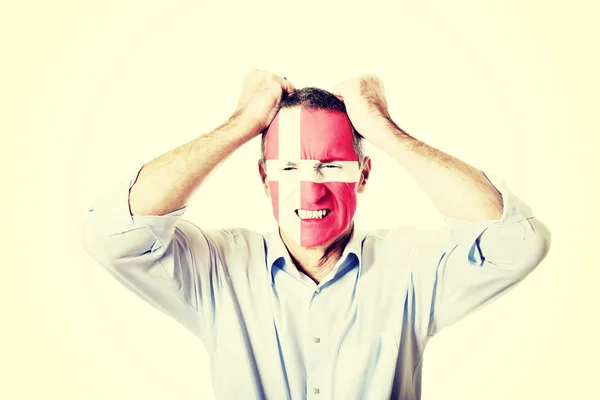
(93,91)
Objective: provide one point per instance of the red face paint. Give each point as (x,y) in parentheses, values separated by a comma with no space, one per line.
(312,172)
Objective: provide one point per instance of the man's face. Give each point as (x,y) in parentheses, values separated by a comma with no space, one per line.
(312,173)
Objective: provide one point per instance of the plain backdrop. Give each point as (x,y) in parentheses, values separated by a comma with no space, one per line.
(92,90)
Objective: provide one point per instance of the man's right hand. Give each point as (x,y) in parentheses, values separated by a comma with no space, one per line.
(166,183)
(262,92)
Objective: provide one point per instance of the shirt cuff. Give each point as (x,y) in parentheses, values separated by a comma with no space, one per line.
(465,234)
(113,215)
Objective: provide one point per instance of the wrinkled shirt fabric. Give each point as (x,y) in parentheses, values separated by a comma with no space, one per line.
(273,333)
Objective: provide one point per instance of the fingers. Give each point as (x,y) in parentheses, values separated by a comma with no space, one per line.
(286,85)
(262,78)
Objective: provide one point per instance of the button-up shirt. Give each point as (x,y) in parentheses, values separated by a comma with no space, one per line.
(271,332)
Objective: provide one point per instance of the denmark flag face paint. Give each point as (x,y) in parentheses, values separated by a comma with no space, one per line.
(312,172)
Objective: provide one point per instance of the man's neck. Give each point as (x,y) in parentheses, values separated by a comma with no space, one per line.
(318,261)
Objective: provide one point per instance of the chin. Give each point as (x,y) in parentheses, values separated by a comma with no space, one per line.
(313,243)
(322,240)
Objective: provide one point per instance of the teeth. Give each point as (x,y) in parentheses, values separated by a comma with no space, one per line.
(311,214)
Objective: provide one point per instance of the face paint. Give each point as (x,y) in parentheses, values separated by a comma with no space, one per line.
(312,173)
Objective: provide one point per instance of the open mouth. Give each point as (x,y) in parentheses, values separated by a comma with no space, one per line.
(312,214)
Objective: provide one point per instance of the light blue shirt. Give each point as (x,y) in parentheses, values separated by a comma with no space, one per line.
(272,333)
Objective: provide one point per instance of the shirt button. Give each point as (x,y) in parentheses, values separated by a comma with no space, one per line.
(318,290)
(316,391)
(317,340)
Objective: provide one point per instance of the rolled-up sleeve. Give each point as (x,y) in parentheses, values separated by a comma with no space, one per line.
(164,260)
(477,262)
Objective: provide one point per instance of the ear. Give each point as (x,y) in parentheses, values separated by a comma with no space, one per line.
(364,174)
(263,178)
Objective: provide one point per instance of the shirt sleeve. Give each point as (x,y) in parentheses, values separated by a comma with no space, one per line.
(468,265)
(165,260)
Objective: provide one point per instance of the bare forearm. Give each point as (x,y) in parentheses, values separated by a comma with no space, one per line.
(457,189)
(166,183)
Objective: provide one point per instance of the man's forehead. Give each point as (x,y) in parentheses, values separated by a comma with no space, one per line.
(300,133)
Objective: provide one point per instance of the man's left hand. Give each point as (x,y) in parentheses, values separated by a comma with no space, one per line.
(365,105)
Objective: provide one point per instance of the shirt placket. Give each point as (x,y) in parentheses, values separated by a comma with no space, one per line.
(316,347)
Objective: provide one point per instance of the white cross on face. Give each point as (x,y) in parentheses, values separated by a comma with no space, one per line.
(312,172)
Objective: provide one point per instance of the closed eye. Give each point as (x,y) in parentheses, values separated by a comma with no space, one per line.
(289,168)
(331,166)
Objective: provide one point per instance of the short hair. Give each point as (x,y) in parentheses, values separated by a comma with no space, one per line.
(316,99)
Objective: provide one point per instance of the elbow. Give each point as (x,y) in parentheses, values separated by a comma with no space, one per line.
(89,239)
(114,247)
(97,243)
(519,247)
(536,245)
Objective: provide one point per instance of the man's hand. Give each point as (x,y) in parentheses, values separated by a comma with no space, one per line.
(166,183)
(262,92)
(365,105)
(457,189)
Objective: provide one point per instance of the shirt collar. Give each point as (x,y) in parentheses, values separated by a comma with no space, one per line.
(278,253)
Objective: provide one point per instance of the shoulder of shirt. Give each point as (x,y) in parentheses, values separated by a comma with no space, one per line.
(230,245)
(408,235)
(391,233)
(239,237)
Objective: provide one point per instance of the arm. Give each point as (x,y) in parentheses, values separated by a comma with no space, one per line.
(467,265)
(491,241)
(166,183)
(457,189)
(136,231)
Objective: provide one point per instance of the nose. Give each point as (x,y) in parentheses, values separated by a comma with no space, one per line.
(311,193)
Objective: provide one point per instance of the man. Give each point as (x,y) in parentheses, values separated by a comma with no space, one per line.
(316,309)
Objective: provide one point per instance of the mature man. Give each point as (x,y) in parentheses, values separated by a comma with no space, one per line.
(316,309)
